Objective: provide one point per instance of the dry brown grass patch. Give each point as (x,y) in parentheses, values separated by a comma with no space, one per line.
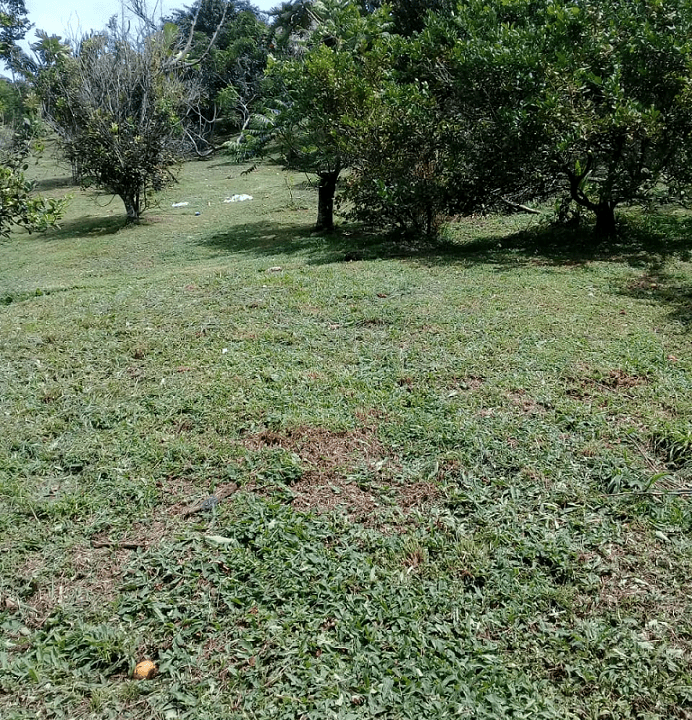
(634,580)
(330,459)
(614,381)
(89,577)
(326,455)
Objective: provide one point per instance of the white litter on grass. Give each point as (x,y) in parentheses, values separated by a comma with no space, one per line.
(183,204)
(238,198)
(224,351)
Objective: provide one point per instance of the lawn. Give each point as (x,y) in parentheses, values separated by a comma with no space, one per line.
(447,481)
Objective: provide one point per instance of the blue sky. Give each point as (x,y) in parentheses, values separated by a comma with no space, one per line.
(75,17)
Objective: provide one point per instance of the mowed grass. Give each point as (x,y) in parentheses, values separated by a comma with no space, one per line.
(453,481)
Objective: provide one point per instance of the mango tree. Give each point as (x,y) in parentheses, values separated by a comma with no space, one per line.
(591,98)
(316,96)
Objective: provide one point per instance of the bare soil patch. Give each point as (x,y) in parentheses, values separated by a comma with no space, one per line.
(614,381)
(525,403)
(89,577)
(330,459)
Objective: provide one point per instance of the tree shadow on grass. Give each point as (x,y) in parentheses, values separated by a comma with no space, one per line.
(56,183)
(89,225)
(665,288)
(647,243)
(660,239)
(639,244)
(262,239)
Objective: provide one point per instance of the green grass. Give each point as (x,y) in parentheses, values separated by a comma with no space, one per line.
(463,470)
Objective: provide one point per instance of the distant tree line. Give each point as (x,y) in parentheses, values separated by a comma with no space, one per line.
(408,112)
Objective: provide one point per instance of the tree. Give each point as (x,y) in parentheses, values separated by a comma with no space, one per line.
(14,25)
(118,103)
(18,205)
(618,112)
(502,102)
(592,99)
(399,176)
(228,53)
(317,95)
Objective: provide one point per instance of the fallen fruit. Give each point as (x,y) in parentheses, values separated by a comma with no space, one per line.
(144,670)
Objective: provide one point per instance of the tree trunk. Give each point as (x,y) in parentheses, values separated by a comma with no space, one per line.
(605,220)
(325,201)
(132,208)
(604,209)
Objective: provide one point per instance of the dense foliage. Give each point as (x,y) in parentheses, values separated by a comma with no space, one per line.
(18,205)
(487,104)
(14,25)
(593,99)
(435,108)
(229,43)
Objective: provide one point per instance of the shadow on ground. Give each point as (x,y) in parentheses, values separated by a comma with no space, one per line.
(658,285)
(343,245)
(48,184)
(89,225)
(648,243)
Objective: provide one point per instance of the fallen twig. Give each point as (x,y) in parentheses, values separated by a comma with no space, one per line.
(647,458)
(519,206)
(118,545)
(211,501)
(687,491)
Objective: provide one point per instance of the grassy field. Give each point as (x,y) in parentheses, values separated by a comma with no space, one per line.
(452,481)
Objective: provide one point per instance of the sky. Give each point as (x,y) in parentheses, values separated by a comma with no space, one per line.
(75,17)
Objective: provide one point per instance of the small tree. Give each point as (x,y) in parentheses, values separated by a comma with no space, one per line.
(317,95)
(318,91)
(19,207)
(118,104)
(399,177)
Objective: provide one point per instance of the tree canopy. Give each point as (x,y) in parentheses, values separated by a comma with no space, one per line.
(503,102)
(118,104)
(316,96)
(436,108)
(591,98)
(228,55)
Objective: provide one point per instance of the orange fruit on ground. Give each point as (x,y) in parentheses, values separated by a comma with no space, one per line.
(144,670)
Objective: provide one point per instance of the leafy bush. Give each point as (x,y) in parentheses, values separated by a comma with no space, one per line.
(18,207)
